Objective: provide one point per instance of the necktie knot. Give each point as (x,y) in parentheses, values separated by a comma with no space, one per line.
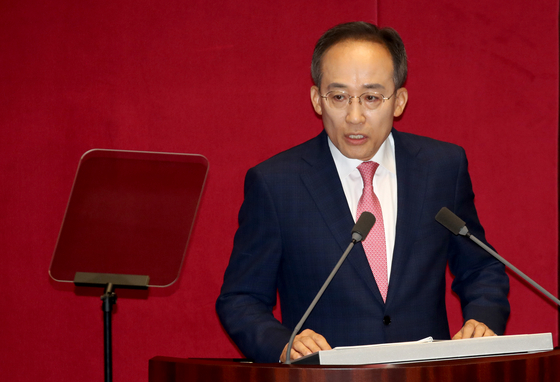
(367,170)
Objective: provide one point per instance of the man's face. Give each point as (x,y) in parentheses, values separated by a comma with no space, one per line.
(357,67)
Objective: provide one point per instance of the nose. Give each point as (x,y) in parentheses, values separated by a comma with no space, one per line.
(355,113)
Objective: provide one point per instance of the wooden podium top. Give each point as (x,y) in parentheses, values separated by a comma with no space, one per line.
(534,367)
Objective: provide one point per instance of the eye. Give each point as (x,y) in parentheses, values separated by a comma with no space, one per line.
(372,97)
(339,97)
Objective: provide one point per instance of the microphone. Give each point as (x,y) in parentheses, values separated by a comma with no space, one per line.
(359,233)
(363,226)
(458,227)
(452,222)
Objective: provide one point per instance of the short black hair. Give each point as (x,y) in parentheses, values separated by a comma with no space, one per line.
(361,31)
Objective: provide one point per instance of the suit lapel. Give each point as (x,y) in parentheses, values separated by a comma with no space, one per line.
(411,189)
(323,183)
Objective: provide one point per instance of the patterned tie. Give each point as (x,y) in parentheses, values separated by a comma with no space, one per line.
(374,244)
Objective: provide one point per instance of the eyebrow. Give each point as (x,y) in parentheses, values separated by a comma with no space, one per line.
(374,86)
(337,85)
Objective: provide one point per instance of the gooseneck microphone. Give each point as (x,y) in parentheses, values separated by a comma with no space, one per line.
(458,227)
(359,233)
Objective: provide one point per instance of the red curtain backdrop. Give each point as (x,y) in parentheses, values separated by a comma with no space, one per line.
(230,80)
(484,75)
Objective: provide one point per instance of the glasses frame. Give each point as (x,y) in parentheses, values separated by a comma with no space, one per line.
(383,98)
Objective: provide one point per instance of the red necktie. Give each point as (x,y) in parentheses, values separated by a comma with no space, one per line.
(374,244)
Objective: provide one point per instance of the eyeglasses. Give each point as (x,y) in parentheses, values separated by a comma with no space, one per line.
(339,99)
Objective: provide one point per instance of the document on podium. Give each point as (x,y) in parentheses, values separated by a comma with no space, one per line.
(429,350)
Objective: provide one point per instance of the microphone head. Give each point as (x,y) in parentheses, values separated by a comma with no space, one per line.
(363,226)
(451,221)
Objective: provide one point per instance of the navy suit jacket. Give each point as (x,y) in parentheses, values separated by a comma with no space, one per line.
(295,223)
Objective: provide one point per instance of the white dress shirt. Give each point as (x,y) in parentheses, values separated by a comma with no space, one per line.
(384,186)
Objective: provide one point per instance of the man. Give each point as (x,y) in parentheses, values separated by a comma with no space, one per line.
(301,205)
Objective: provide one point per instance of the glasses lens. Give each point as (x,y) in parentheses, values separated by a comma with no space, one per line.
(338,100)
(371,100)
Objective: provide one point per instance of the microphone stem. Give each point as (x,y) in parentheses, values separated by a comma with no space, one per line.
(317,297)
(513,268)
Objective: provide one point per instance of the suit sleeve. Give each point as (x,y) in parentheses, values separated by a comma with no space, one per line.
(248,294)
(480,280)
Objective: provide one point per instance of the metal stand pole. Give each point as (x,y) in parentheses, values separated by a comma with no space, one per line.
(108,299)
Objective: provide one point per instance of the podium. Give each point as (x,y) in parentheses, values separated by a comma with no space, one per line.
(534,367)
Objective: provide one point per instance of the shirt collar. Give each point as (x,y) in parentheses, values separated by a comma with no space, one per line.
(385,156)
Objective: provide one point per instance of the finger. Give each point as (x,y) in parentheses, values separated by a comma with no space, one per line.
(314,341)
(283,355)
(294,354)
(468,329)
(489,332)
(320,342)
(458,335)
(315,344)
(303,346)
(479,330)
(305,343)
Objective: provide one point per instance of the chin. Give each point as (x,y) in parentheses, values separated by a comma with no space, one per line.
(359,155)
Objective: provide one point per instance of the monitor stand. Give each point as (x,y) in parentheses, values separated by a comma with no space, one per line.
(127,224)
(109,298)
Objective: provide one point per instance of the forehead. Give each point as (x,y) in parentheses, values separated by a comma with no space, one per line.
(356,64)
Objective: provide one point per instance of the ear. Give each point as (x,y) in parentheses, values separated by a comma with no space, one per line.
(316,100)
(400,103)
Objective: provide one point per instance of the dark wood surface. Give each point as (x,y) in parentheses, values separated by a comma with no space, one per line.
(527,367)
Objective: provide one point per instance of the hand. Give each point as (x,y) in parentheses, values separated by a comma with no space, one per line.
(473,329)
(305,343)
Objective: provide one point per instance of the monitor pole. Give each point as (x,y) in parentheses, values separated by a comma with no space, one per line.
(109,298)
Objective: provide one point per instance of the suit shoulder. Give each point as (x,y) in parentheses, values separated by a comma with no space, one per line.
(292,158)
(429,146)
